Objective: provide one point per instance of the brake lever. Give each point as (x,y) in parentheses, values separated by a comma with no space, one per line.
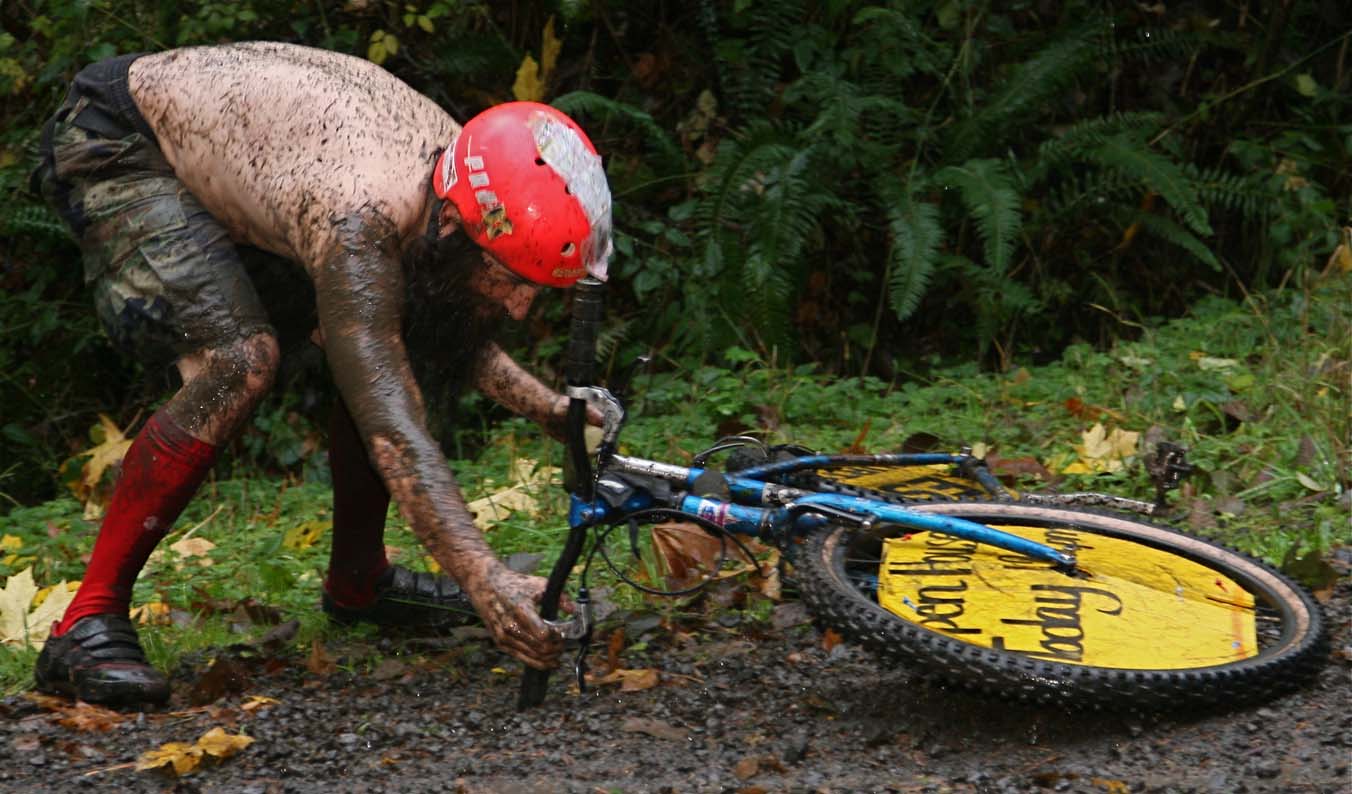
(612,410)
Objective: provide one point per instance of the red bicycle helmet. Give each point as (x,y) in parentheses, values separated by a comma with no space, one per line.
(530,190)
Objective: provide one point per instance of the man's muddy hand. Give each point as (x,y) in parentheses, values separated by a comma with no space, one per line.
(507,602)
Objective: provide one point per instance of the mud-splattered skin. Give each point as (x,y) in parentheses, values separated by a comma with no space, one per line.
(326,159)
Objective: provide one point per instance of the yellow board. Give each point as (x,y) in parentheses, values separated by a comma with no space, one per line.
(1141,609)
(922,483)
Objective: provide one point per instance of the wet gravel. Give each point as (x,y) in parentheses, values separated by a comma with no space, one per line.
(739,708)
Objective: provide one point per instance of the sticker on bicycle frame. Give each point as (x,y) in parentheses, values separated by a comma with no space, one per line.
(1139,609)
(921,483)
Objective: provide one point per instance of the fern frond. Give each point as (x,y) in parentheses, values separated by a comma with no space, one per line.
(1028,89)
(1169,231)
(1152,44)
(1072,141)
(612,335)
(33,220)
(897,41)
(1251,195)
(586,103)
(987,191)
(749,83)
(862,127)
(916,236)
(741,160)
(1074,194)
(1158,172)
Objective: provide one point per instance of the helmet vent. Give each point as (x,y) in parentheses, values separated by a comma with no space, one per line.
(539,161)
(568,249)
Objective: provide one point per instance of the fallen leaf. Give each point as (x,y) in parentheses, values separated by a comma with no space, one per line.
(527,478)
(614,646)
(78,716)
(1212,364)
(184,758)
(1083,410)
(830,639)
(1017,467)
(746,768)
(388,669)
(655,728)
(11,543)
(1111,786)
(153,613)
(227,675)
(1102,451)
(629,680)
(304,535)
(110,447)
(319,662)
(685,551)
(27,613)
(192,547)
(256,702)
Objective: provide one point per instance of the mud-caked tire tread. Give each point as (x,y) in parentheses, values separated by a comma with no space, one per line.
(837,604)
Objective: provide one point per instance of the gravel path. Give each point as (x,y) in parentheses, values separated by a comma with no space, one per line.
(738,709)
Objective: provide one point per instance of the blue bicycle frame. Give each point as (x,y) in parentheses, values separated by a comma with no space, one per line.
(792,511)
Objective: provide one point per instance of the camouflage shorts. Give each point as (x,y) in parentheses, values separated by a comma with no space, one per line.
(167,279)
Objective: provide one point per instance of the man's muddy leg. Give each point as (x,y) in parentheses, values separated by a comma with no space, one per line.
(166,463)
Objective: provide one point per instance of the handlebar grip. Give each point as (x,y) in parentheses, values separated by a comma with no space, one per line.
(580,370)
(588,306)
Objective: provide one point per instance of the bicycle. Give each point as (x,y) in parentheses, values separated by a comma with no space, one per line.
(1068,599)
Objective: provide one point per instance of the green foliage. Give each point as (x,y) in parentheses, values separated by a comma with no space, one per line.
(816,181)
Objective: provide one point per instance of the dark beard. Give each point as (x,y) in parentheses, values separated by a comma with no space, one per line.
(447,324)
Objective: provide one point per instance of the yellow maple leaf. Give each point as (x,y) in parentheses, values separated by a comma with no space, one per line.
(527,478)
(529,86)
(151,613)
(1102,451)
(184,758)
(304,535)
(532,76)
(110,445)
(181,756)
(11,543)
(27,613)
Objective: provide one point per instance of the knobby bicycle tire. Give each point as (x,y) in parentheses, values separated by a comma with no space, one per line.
(1295,633)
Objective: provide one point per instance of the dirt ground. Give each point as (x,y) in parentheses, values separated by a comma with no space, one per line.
(737,707)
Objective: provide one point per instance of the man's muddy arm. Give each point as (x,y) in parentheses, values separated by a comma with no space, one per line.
(505,382)
(359,289)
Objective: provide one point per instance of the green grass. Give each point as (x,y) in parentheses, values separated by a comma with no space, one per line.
(1273,481)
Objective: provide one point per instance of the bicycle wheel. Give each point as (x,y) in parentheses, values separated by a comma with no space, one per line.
(1154,620)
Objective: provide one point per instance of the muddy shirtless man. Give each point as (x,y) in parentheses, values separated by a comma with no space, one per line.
(161,163)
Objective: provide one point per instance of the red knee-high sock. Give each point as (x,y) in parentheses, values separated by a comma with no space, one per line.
(160,473)
(357,557)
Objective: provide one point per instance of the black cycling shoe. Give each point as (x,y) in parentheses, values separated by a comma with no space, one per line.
(100,661)
(406,598)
